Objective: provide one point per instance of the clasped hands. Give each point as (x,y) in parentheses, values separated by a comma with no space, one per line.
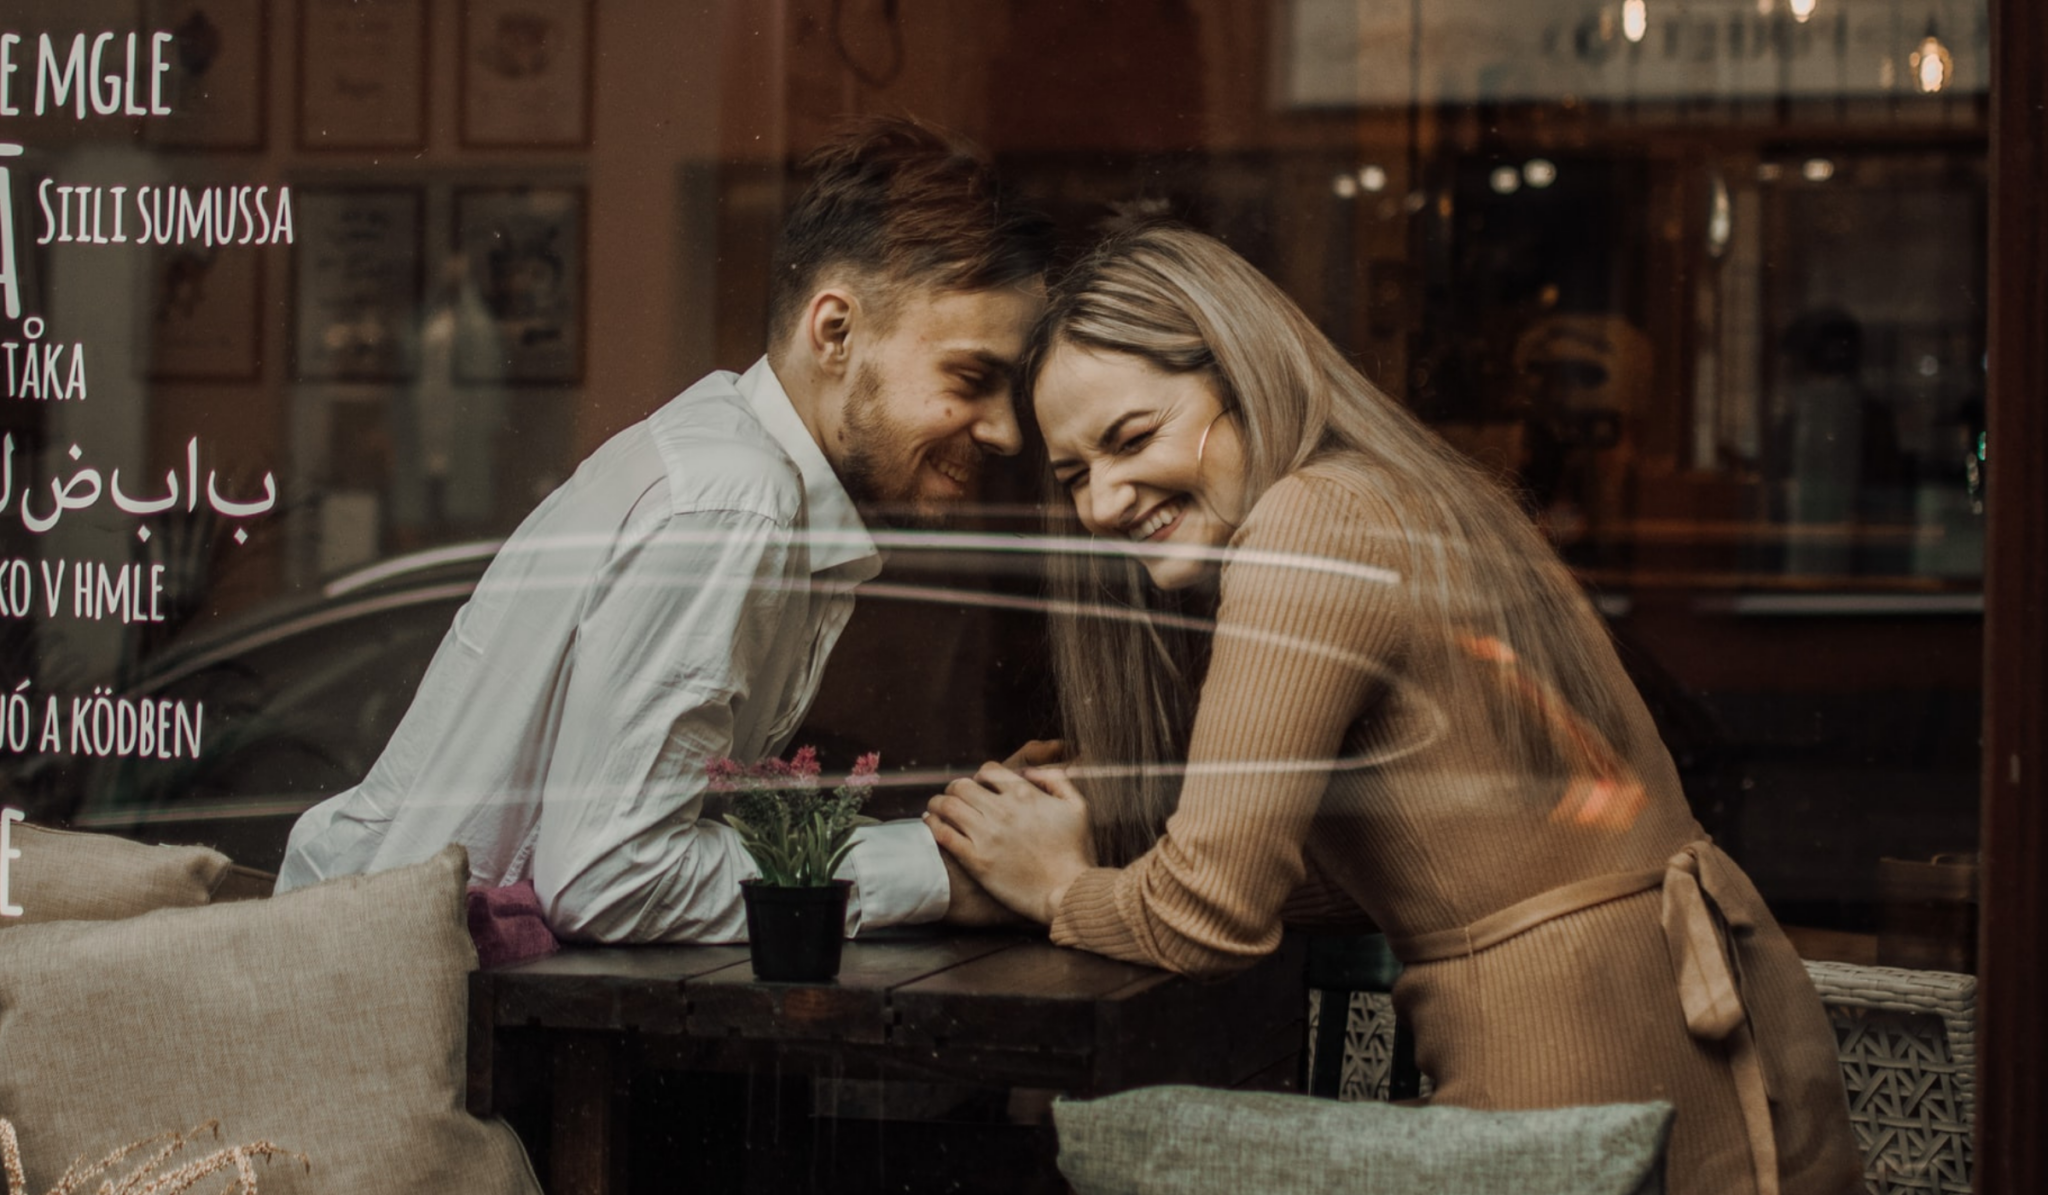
(1019,832)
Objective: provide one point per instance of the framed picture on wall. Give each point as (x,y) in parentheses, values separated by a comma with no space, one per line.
(362,74)
(356,285)
(215,84)
(526,73)
(519,316)
(205,313)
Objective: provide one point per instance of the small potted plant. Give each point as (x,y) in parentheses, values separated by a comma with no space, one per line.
(796,911)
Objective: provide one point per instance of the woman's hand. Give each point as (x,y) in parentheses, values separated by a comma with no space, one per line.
(1023,837)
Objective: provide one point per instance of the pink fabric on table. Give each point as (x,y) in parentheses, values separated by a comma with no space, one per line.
(507,926)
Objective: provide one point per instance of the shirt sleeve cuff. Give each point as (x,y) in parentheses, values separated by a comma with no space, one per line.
(898,877)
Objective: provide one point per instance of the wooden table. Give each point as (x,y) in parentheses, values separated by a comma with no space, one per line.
(998,1010)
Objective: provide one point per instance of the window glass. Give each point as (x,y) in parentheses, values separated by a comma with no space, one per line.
(299,290)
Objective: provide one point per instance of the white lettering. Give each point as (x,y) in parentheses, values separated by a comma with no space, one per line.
(7,279)
(94,78)
(7,68)
(53,586)
(211,216)
(158,68)
(49,217)
(8,854)
(50,83)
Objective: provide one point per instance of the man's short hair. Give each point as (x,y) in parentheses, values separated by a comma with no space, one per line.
(901,202)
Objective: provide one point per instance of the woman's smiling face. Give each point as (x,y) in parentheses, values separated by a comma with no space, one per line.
(1127,441)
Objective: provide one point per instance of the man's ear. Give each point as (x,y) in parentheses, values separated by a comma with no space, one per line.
(827,331)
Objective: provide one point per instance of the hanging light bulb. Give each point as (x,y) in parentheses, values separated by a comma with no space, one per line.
(1635,19)
(1933,66)
(1764,7)
(1802,10)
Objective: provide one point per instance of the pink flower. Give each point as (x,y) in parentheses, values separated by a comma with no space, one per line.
(723,773)
(798,773)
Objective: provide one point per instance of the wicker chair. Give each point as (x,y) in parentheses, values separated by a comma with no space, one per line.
(1908,1044)
(1364,1055)
(1907,1041)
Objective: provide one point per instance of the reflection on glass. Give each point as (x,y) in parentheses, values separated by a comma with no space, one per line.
(1704,282)
(1932,64)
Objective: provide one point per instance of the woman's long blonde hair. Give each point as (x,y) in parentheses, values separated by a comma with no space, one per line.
(1128,658)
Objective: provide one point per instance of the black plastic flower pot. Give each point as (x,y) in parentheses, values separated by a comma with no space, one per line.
(795,933)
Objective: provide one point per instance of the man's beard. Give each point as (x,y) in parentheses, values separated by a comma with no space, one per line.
(878,461)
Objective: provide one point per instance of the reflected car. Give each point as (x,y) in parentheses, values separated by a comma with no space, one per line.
(299,697)
(302,695)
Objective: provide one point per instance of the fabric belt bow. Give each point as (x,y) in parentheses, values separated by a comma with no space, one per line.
(1698,932)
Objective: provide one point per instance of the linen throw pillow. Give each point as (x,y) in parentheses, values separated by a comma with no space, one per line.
(330,1021)
(1173,1140)
(62,875)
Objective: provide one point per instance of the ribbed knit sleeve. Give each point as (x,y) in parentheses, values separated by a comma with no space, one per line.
(1310,619)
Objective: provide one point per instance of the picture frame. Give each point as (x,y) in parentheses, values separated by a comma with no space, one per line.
(219,73)
(357,277)
(205,307)
(362,67)
(519,317)
(525,73)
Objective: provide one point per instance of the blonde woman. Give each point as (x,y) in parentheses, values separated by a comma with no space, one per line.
(1407,711)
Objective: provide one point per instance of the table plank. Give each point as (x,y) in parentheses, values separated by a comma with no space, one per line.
(992,1009)
(606,987)
(1034,996)
(1217,1034)
(854,1008)
(1134,1025)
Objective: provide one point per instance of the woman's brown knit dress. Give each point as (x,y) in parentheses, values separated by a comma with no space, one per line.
(1632,962)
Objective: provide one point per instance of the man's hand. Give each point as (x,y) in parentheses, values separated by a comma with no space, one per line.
(970,904)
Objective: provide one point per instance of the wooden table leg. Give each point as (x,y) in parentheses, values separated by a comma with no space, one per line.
(482,1051)
(586,1141)
(779,1141)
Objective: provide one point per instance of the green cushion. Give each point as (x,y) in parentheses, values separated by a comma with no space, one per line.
(1162,1140)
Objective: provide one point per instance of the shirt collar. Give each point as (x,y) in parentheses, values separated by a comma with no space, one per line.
(839,541)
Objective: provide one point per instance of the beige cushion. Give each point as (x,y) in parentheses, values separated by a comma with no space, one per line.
(66,876)
(1166,1140)
(330,1020)
(244,883)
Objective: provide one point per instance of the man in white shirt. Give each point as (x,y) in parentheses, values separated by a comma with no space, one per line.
(676,599)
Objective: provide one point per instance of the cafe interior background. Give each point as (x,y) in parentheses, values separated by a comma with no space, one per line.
(1705,281)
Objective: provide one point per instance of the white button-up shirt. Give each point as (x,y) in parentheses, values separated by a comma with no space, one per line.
(674,601)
